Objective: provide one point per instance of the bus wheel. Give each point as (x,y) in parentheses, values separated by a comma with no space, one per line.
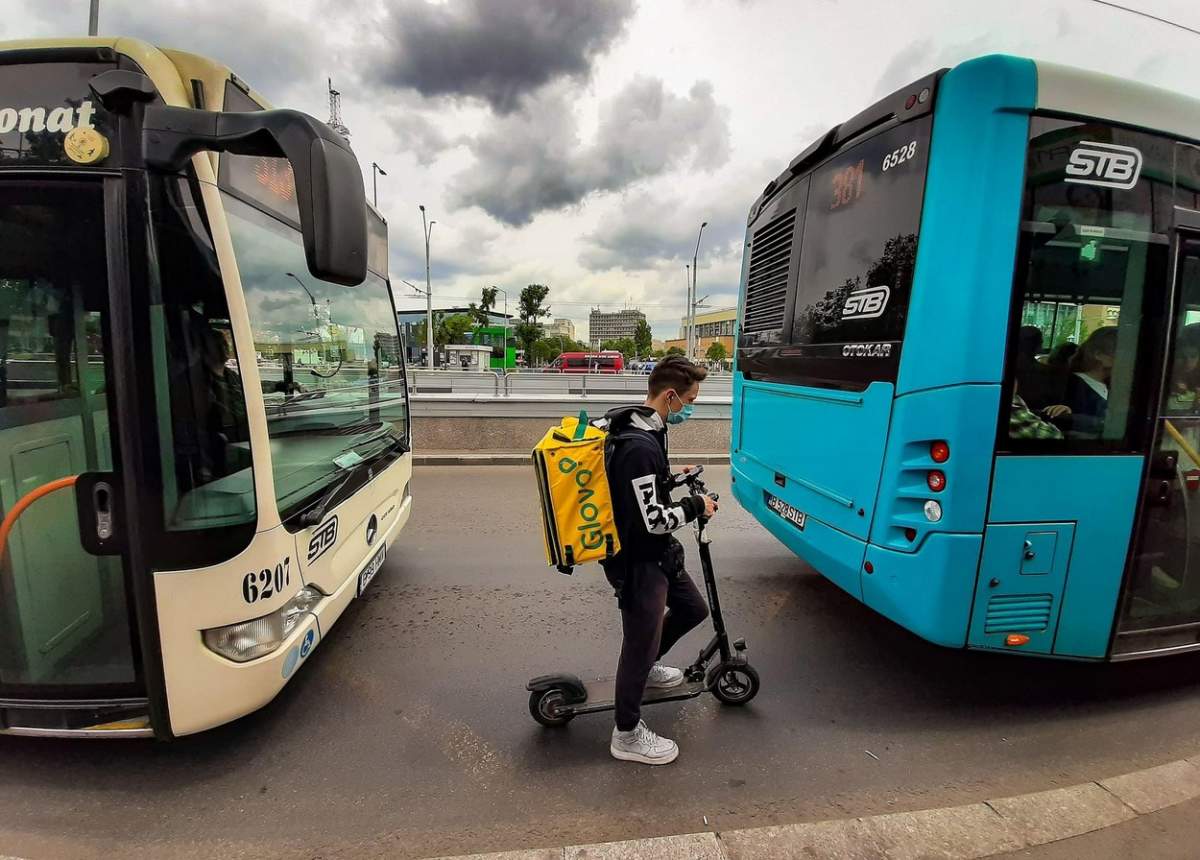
(736,684)
(547,707)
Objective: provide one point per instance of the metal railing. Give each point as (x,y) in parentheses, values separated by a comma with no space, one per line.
(423,381)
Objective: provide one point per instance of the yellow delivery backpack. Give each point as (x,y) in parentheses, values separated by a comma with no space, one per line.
(577,514)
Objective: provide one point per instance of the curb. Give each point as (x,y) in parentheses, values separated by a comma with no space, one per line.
(974,830)
(515,459)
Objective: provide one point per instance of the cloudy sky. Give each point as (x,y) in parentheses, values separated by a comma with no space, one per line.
(580,143)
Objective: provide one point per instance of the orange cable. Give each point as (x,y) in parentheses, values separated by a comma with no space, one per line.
(28,499)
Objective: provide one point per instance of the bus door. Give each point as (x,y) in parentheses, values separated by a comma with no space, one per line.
(65,631)
(1160,609)
(1091,290)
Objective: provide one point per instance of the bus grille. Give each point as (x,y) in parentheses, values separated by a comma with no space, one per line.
(1018,612)
(767,278)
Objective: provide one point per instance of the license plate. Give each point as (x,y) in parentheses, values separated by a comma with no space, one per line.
(372,568)
(779,506)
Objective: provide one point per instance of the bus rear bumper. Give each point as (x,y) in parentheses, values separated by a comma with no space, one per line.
(836,555)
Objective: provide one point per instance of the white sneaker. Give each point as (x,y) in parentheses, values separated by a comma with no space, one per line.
(642,745)
(664,676)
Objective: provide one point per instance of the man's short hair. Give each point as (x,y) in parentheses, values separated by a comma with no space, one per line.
(675,371)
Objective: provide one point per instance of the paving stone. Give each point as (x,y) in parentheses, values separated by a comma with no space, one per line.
(1157,787)
(690,846)
(1061,813)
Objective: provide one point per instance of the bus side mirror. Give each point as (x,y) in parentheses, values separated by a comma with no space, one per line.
(329,184)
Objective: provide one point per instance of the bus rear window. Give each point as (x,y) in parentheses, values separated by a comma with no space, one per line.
(850,288)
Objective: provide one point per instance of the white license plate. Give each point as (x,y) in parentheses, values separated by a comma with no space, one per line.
(792,515)
(372,568)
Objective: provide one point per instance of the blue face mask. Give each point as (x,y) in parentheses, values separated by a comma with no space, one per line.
(682,415)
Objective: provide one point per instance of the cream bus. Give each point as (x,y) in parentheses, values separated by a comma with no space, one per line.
(204,438)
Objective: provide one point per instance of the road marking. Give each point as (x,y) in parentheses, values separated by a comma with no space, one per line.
(974,830)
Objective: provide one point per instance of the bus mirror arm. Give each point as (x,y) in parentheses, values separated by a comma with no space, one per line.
(329,186)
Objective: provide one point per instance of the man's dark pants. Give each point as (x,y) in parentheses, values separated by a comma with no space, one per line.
(648,634)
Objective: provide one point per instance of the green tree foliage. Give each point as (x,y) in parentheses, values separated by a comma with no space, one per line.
(624,345)
(458,328)
(531,311)
(440,335)
(676,350)
(487,304)
(716,351)
(642,338)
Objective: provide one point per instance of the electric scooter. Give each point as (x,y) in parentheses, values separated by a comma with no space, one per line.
(555,700)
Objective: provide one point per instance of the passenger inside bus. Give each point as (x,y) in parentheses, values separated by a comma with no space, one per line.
(1087,388)
(1185,374)
(1042,385)
(1024,423)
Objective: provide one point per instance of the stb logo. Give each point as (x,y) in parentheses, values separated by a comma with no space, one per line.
(1105,164)
(866,304)
(325,537)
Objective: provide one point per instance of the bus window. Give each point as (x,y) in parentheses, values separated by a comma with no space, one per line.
(206,464)
(1085,257)
(857,253)
(329,360)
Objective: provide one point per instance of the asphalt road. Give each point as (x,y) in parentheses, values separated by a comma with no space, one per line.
(407,734)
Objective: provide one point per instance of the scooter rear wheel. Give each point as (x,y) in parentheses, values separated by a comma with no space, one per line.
(736,684)
(546,707)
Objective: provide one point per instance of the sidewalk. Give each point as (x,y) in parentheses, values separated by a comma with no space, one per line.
(1150,812)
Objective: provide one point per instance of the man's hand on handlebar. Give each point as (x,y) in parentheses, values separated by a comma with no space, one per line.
(710,506)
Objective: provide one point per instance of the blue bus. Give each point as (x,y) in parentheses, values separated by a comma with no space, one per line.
(967,384)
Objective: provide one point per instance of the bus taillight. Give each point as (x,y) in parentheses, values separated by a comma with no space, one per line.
(939,452)
(936,480)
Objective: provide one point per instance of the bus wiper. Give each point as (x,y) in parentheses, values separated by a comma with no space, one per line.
(313,515)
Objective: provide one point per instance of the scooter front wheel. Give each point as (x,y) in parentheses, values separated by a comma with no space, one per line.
(735,684)
(548,707)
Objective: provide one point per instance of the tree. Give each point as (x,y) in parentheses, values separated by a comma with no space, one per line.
(487,302)
(458,327)
(531,310)
(658,353)
(676,350)
(623,345)
(716,351)
(440,335)
(643,339)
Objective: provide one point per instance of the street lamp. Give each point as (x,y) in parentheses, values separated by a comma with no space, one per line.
(427,228)
(311,298)
(94,18)
(376,171)
(687,305)
(692,303)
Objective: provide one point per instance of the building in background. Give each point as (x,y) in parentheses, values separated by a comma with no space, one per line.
(712,327)
(612,325)
(561,328)
(410,320)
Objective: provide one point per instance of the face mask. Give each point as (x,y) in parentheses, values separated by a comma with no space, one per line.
(682,415)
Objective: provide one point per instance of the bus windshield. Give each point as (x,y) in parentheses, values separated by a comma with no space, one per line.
(328,356)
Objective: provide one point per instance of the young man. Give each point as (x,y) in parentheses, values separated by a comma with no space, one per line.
(648,572)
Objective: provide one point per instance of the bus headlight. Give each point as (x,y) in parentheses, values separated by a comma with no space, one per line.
(248,640)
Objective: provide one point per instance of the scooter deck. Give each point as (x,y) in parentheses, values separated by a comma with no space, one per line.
(601,694)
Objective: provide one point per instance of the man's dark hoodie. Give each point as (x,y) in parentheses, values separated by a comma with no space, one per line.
(639,478)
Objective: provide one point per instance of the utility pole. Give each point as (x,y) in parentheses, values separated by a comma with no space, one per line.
(687,305)
(94,18)
(692,303)
(428,230)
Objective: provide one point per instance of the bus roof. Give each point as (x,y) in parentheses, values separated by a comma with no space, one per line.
(1061,89)
(1070,90)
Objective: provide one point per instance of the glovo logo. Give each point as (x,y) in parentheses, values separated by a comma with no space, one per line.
(591,533)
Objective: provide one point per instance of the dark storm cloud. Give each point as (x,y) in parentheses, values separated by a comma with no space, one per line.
(417,135)
(495,50)
(263,42)
(531,161)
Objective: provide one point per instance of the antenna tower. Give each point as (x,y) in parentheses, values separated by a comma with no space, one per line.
(335,112)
